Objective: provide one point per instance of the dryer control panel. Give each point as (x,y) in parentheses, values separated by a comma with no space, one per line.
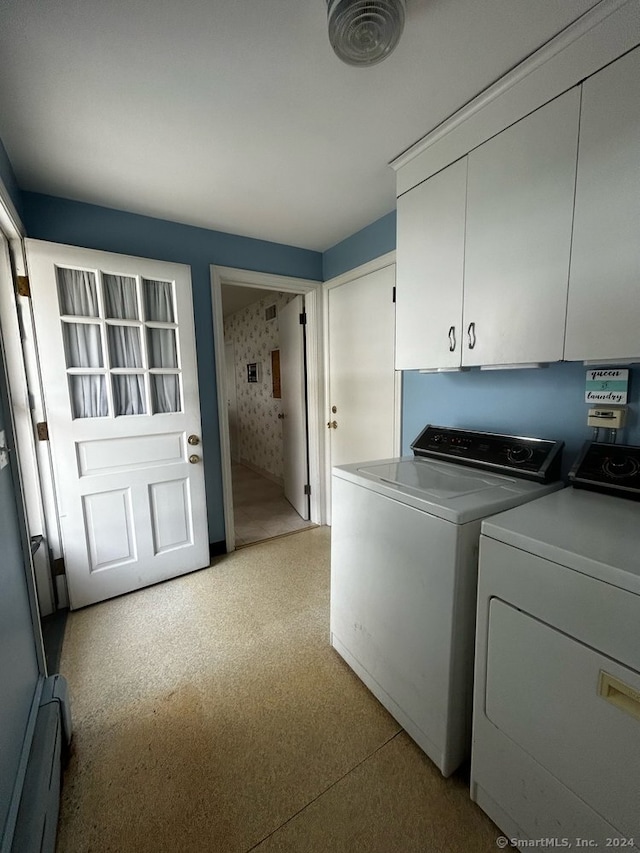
(612,468)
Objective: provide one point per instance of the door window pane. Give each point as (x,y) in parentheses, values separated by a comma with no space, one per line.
(77,292)
(165,393)
(124,346)
(88,396)
(158,300)
(161,344)
(128,395)
(82,344)
(120,297)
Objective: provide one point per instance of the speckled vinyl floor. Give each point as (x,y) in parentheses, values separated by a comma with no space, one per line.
(211,714)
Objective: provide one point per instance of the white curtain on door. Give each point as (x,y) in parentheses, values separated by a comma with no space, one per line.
(78,297)
(78,293)
(129,395)
(161,344)
(121,300)
(88,396)
(158,300)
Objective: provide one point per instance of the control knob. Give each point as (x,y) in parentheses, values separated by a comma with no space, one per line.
(625,466)
(518,455)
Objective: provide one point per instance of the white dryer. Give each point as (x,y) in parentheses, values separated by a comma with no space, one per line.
(556,729)
(404,548)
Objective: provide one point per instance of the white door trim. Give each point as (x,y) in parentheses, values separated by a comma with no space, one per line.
(312,291)
(376,264)
(24,394)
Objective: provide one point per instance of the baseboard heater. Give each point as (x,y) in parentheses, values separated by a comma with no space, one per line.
(37,820)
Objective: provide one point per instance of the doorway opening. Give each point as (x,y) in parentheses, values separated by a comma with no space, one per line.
(265,328)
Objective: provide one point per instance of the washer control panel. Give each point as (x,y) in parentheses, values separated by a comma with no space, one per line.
(613,468)
(530,458)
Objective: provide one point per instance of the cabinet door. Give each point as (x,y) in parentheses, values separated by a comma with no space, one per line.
(603,313)
(519,213)
(430,265)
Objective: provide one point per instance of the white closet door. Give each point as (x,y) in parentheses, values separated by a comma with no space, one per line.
(519,213)
(116,344)
(361,373)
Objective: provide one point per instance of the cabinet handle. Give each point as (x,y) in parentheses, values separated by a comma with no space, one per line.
(471,331)
(452,338)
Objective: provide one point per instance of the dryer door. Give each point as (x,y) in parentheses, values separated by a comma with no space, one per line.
(544,691)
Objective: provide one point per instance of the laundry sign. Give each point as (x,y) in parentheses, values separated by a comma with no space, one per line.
(606,386)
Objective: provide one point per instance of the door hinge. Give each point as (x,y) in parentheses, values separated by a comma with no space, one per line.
(57,567)
(22,285)
(393,296)
(42,431)
(303,318)
(307,489)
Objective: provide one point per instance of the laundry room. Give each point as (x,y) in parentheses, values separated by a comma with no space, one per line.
(319,425)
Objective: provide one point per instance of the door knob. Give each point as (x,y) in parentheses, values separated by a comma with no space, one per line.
(332,424)
(280,416)
(334,409)
(193,439)
(194,458)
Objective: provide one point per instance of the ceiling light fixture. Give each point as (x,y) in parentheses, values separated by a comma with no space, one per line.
(364,32)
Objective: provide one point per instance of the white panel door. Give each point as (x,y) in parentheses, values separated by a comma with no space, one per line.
(520,193)
(603,312)
(232,399)
(431,220)
(116,344)
(361,368)
(294,406)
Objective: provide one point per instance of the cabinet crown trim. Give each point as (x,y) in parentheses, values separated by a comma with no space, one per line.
(556,45)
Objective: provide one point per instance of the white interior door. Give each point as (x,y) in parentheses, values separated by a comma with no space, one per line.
(294,409)
(362,380)
(116,345)
(232,398)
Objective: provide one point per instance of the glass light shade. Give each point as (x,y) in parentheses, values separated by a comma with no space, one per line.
(364,32)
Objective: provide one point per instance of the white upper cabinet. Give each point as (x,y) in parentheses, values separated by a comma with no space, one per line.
(430,267)
(603,315)
(520,194)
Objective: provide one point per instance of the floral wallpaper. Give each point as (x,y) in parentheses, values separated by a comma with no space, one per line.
(259,428)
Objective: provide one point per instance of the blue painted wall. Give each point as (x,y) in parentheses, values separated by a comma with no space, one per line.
(540,402)
(93,227)
(8,178)
(371,242)
(18,662)
(544,402)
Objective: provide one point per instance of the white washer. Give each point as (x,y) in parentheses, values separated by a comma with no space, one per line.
(404,546)
(556,728)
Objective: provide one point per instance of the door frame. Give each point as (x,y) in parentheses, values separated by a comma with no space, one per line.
(25,395)
(374,265)
(313,293)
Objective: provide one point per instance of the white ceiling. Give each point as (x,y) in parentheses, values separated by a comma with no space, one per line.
(235,298)
(235,114)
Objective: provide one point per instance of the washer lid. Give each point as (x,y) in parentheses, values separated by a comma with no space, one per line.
(436,479)
(597,535)
(456,493)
